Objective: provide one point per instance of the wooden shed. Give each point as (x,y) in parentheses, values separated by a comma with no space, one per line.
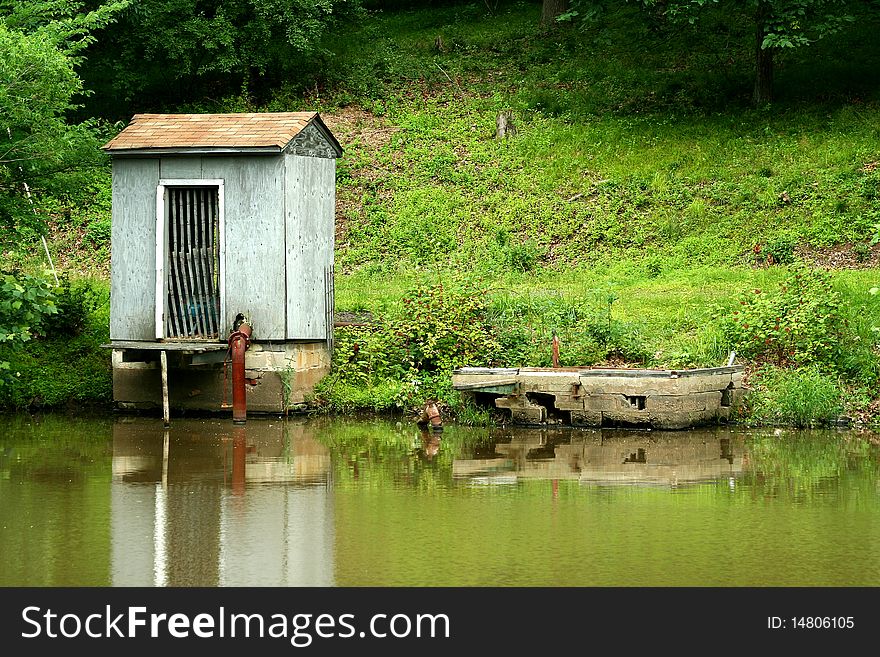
(219,217)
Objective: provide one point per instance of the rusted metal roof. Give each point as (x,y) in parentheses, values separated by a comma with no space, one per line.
(246,131)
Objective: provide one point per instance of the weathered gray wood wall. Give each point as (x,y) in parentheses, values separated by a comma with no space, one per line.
(310,197)
(254,241)
(133,256)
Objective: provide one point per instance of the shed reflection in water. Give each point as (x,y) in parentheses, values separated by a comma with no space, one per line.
(180,515)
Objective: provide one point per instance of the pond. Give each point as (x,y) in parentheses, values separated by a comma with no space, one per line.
(320,502)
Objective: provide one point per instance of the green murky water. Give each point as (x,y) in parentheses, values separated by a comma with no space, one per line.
(342,503)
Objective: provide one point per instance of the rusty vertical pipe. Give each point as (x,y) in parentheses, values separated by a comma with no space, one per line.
(239,456)
(239,340)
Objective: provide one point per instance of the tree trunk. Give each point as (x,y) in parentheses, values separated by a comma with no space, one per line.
(763,92)
(550,9)
(504,125)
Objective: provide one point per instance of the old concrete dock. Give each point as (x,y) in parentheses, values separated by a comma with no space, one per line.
(596,397)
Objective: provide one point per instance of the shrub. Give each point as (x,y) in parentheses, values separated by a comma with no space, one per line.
(25,302)
(98,232)
(76,303)
(780,250)
(801,323)
(444,326)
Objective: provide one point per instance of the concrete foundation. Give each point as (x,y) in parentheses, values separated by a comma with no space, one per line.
(661,399)
(279,376)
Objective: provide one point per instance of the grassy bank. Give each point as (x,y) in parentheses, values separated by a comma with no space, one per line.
(639,200)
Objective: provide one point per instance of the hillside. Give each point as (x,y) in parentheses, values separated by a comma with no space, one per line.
(640,195)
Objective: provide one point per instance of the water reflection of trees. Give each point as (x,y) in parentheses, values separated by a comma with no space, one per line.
(812,466)
(54,487)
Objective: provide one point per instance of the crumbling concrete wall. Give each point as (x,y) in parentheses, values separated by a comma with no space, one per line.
(662,399)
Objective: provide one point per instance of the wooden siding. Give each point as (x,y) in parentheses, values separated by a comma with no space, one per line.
(181,167)
(133,259)
(310,202)
(254,241)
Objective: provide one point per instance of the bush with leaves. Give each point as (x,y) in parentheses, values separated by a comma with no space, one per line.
(25,301)
(446,325)
(402,360)
(802,323)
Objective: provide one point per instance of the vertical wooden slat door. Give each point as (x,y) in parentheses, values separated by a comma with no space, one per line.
(193,307)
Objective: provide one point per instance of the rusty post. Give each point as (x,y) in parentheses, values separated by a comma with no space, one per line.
(239,341)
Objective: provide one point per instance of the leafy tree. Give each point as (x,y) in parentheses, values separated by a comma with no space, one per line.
(551,10)
(778,24)
(184,50)
(40,45)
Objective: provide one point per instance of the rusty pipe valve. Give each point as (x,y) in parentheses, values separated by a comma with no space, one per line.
(239,341)
(431,414)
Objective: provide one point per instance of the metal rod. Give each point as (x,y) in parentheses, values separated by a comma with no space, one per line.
(181,273)
(193,229)
(206,256)
(238,344)
(171,246)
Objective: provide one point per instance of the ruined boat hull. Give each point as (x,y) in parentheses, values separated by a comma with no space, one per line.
(593,397)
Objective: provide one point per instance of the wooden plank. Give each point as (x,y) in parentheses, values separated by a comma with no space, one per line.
(133,257)
(194,254)
(213,236)
(161,260)
(485,385)
(182,292)
(166,412)
(486,370)
(180,167)
(203,256)
(328,224)
(309,225)
(195,347)
(191,301)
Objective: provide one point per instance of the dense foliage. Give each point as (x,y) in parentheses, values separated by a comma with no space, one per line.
(42,152)
(25,301)
(166,52)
